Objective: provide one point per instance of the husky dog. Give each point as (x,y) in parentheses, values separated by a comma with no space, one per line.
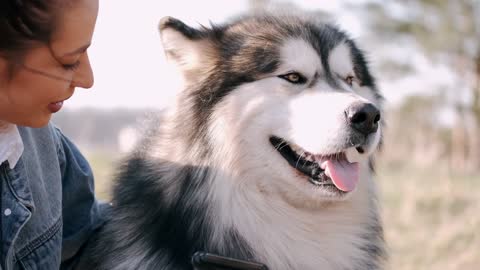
(265,156)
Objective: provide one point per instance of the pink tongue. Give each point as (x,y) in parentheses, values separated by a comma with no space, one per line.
(343,174)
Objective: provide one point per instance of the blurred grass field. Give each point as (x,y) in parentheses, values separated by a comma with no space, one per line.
(103,165)
(431,218)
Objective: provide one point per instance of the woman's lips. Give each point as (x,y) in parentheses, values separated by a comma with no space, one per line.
(55,106)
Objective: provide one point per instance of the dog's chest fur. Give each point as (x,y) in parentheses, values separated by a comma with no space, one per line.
(344,235)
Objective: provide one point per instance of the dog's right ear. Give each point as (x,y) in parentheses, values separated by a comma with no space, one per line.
(189,48)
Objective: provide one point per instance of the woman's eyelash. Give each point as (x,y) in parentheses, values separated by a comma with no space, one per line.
(73,66)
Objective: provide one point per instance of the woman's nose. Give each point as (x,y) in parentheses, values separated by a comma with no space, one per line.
(84,75)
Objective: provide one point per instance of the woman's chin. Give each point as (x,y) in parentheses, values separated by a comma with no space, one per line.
(38,122)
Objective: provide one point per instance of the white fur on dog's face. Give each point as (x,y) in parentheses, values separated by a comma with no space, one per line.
(310,115)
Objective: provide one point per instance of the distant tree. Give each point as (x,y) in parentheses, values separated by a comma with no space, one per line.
(283,6)
(447,31)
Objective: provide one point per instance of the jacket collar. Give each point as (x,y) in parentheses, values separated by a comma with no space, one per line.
(11,145)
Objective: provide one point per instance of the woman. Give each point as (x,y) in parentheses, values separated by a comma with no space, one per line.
(48,207)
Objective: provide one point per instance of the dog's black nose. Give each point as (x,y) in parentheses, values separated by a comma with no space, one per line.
(363,117)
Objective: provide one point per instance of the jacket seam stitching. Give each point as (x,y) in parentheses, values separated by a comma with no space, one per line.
(37,242)
(9,180)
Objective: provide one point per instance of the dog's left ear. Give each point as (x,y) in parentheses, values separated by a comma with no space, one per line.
(191,49)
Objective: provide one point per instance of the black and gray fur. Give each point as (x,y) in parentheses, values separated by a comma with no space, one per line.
(162,211)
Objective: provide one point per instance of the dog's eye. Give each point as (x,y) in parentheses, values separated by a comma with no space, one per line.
(294,77)
(349,80)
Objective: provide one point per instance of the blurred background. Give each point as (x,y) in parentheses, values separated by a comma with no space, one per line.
(426,57)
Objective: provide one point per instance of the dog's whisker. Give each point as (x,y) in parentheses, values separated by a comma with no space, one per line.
(299,157)
(281,145)
(284,145)
(305,160)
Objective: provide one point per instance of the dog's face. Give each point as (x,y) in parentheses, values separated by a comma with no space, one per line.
(286,103)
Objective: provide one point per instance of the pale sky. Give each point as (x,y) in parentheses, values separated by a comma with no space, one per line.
(127,57)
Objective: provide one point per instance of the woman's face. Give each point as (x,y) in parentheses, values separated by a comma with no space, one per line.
(49,74)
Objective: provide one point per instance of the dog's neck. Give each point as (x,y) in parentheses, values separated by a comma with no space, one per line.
(285,237)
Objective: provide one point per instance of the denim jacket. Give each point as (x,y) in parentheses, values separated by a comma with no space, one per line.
(48,206)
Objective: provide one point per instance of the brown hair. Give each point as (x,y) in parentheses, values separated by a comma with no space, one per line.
(24,23)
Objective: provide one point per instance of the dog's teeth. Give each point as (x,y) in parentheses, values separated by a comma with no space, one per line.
(327,172)
(353,155)
(310,157)
(296,149)
(323,166)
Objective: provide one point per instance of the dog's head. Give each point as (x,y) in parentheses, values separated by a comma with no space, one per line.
(287,103)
